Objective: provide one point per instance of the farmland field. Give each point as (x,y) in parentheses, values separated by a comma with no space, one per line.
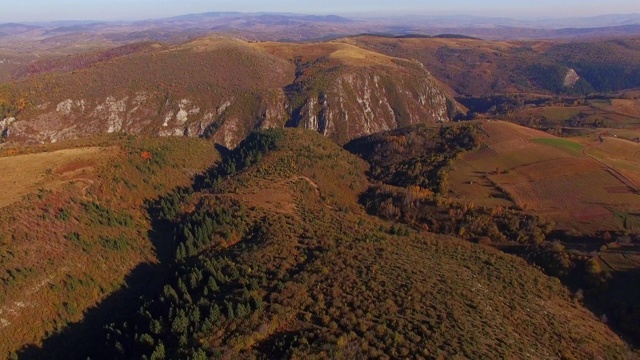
(606,113)
(557,113)
(567,145)
(551,176)
(619,154)
(624,258)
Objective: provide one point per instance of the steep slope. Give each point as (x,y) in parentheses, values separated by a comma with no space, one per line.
(567,205)
(609,65)
(276,259)
(171,91)
(474,67)
(222,88)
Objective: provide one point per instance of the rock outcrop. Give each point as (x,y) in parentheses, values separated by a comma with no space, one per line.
(571,78)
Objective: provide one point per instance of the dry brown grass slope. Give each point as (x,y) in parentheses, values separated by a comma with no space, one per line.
(24,174)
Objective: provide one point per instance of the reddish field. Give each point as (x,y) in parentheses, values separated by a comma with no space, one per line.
(549,177)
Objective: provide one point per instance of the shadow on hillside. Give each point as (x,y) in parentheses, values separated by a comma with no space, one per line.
(615,302)
(618,304)
(86,339)
(278,345)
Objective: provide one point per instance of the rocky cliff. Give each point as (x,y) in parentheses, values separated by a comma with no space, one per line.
(223,88)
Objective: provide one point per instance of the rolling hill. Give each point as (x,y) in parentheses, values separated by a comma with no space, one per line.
(477,68)
(225,198)
(568,206)
(75,226)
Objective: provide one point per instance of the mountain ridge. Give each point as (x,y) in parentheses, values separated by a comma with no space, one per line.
(231,87)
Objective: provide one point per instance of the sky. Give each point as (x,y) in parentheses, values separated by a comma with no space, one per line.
(47,10)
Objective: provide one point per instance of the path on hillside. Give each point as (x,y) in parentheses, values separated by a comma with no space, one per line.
(302,177)
(483,130)
(83,191)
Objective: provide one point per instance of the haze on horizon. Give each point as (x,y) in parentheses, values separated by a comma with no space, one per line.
(111,10)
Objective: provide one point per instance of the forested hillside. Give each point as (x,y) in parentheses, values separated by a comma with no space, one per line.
(273,257)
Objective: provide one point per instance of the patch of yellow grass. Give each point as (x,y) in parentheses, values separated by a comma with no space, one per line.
(338,50)
(210,43)
(625,106)
(355,56)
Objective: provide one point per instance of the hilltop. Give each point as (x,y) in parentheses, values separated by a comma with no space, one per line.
(562,87)
(374,196)
(222,88)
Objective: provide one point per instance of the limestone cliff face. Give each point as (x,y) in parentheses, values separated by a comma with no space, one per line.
(339,98)
(254,111)
(571,78)
(134,114)
(365,102)
(227,119)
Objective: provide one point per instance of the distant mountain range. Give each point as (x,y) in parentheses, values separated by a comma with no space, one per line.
(21,44)
(262,16)
(541,23)
(432,20)
(289,26)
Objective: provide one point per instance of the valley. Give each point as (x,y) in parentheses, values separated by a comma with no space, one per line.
(251,282)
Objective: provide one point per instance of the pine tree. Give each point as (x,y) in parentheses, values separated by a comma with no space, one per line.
(230,312)
(158,352)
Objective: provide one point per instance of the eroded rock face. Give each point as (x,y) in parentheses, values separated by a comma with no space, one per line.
(363,103)
(4,126)
(355,104)
(571,78)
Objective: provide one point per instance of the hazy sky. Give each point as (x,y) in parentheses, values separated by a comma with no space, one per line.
(43,10)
